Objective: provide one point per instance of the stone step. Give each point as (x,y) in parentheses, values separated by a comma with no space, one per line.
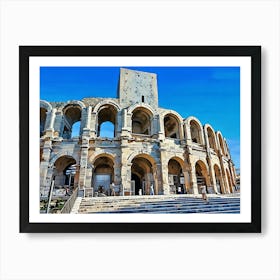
(159,204)
(172,210)
(137,202)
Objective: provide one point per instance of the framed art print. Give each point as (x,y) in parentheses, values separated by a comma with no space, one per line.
(140,138)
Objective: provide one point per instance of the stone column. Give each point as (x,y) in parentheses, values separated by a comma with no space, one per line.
(223,174)
(93,132)
(232,172)
(155,126)
(158,167)
(125,169)
(86,129)
(161,135)
(126,179)
(44,165)
(126,124)
(51,116)
(186,177)
(83,163)
(193,179)
(164,170)
(117,172)
(181,131)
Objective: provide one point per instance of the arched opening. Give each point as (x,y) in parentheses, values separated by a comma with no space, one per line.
(195,132)
(176,178)
(222,144)
(76,129)
(218,178)
(141,121)
(211,139)
(171,126)
(142,177)
(72,121)
(107,121)
(102,175)
(107,130)
(229,181)
(202,177)
(65,172)
(43,117)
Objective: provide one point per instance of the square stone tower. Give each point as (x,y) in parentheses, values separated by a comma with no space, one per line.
(137,87)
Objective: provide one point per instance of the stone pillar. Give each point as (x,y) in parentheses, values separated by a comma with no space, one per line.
(223,174)
(93,132)
(83,163)
(126,179)
(186,177)
(181,131)
(48,180)
(232,172)
(193,179)
(126,124)
(125,169)
(44,166)
(117,172)
(158,167)
(161,135)
(86,129)
(155,126)
(209,160)
(188,135)
(164,171)
(51,117)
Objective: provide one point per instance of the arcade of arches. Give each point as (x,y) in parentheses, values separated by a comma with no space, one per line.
(130,146)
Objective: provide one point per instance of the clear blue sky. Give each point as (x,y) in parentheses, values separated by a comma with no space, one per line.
(212,94)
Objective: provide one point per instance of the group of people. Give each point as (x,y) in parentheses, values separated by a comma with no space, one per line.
(112,192)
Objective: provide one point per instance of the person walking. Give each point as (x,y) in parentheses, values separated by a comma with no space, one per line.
(203,192)
(152,192)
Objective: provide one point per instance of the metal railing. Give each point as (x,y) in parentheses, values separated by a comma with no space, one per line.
(70,202)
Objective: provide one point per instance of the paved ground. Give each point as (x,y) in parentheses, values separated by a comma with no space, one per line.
(159,204)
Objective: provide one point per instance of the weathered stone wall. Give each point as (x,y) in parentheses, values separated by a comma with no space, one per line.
(153,150)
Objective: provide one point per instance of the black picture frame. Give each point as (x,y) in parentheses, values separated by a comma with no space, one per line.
(254,52)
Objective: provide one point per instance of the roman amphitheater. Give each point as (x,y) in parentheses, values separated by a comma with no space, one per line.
(151,149)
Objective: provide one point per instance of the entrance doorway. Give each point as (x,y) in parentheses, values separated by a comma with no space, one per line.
(137,184)
(142,176)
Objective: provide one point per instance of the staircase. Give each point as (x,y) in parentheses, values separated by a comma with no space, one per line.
(229,204)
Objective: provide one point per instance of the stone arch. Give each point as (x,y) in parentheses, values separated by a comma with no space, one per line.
(45,109)
(143,174)
(173,125)
(211,136)
(104,103)
(144,155)
(202,174)
(196,130)
(58,155)
(72,115)
(65,173)
(131,108)
(106,112)
(141,120)
(176,175)
(221,142)
(46,105)
(75,102)
(97,155)
(103,173)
